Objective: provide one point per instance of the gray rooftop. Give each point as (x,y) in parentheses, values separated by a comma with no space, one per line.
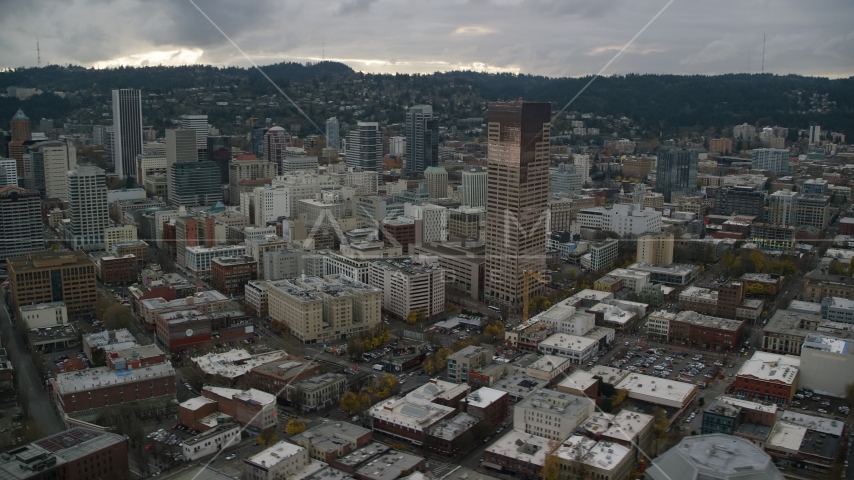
(715,456)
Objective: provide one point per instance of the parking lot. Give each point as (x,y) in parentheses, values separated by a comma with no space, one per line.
(809,402)
(684,366)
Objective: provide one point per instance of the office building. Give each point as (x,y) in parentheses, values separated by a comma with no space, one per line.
(655,248)
(422,140)
(473,187)
(464,263)
(637,167)
(150,164)
(324,310)
(781,207)
(8,172)
(127,130)
(332,133)
(230,275)
(180,147)
(774,160)
(194,184)
(437,182)
(198,124)
(365,147)
(275,141)
(582,166)
(676,171)
(49,276)
(20,133)
(812,210)
(624,219)
(600,255)
(721,145)
(248,169)
(88,210)
(434,221)
(466,223)
(739,200)
(517,199)
(409,286)
(814,135)
(296,160)
(773,236)
(51,162)
(282,460)
(565,178)
(219,152)
(198,258)
(21,229)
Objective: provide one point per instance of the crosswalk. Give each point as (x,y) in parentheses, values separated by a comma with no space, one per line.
(440,469)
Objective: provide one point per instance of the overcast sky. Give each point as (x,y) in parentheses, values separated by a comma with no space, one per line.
(545,37)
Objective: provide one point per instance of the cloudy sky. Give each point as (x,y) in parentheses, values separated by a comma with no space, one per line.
(545,37)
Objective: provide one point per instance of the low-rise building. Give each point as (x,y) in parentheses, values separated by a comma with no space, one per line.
(551,414)
(806,445)
(199,258)
(403,419)
(256,296)
(251,408)
(827,364)
(282,460)
(275,375)
(549,368)
(837,309)
(74,453)
(582,457)
(88,393)
(329,441)
(658,325)
(317,392)
(786,331)
(471,359)
(658,391)
(676,274)
(577,349)
(221,437)
(487,405)
(452,436)
(230,366)
(44,314)
(770,377)
(734,416)
(704,331)
(518,452)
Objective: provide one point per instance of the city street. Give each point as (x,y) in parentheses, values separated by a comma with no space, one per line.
(30,386)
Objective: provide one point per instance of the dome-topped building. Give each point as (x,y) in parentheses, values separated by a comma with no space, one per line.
(715,456)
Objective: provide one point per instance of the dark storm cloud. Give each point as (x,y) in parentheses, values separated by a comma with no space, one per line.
(548,37)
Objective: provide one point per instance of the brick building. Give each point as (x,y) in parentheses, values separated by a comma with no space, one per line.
(251,407)
(487,405)
(329,441)
(704,331)
(137,248)
(769,376)
(77,453)
(179,330)
(116,269)
(230,274)
(101,388)
(272,377)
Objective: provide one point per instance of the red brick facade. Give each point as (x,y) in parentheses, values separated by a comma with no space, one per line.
(229,277)
(115,394)
(766,389)
(118,269)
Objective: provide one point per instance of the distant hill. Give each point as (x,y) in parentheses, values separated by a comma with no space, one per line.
(655,103)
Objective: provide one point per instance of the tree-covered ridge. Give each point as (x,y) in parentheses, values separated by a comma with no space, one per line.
(655,103)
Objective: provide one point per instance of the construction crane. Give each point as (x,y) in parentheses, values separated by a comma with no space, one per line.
(251,121)
(526,299)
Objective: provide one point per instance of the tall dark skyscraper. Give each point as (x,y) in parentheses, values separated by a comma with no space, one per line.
(517,199)
(422,140)
(676,171)
(127,130)
(219,152)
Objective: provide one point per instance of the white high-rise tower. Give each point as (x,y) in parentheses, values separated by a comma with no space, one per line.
(87,205)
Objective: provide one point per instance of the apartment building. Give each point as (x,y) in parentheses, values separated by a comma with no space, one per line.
(324,310)
(409,286)
(49,276)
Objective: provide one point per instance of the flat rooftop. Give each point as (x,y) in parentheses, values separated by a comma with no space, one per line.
(519,384)
(809,308)
(549,363)
(825,343)
(235,362)
(279,452)
(42,306)
(771,367)
(417,416)
(553,402)
(196,403)
(453,427)
(602,455)
(609,374)
(578,380)
(708,321)
(567,341)
(252,395)
(714,456)
(521,446)
(824,425)
(389,466)
(746,404)
(484,397)
(662,388)
(94,378)
(790,323)
(108,337)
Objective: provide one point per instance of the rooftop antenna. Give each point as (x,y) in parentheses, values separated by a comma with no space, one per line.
(38,53)
(748,63)
(763,52)
(323,51)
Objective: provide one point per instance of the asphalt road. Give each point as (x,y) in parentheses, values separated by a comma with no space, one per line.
(27,377)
